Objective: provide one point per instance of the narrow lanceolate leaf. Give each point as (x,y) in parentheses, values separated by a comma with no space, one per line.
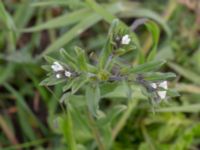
(100,10)
(68,85)
(66,126)
(6,18)
(52,80)
(147,67)
(47,68)
(24,10)
(92,97)
(64,20)
(65,98)
(49,59)
(74,3)
(70,60)
(107,50)
(155,32)
(188,74)
(157,76)
(78,83)
(82,60)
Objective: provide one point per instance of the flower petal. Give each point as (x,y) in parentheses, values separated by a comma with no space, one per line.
(163,85)
(162,94)
(125,39)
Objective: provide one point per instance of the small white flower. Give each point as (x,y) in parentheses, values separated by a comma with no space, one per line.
(58,76)
(162,94)
(57,67)
(125,39)
(154,85)
(163,85)
(68,74)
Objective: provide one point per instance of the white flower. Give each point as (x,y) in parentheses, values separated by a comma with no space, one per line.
(154,85)
(59,70)
(57,67)
(125,39)
(162,94)
(68,74)
(58,76)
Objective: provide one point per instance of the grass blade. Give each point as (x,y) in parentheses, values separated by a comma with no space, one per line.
(193,108)
(188,74)
(64,20)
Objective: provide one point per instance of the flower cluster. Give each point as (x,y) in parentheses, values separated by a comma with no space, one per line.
(60,71)
(157,91)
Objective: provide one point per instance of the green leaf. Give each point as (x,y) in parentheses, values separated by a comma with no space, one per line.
(100,10)
(24,10)
(66,126)
(155,32)
(68,85)
(6,18)
(49,59)
(69,59)
(92,95)
(82,59)
(52,80)
(188,74)
(107,50)
(172,93)
(147,67)
(78,83)
(92,68)
(65,98)
(64,20)
(157,76)
(24,121)
(46,68)
(8,23)
(112,114)
(60,2)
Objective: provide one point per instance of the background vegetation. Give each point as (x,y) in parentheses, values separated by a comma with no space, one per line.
(30,113)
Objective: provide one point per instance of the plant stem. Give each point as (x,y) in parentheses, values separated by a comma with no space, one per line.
(95,132)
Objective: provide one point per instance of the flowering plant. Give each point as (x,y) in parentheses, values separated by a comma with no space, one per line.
(121,71)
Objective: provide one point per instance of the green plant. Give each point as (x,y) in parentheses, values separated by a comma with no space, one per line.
(85,80)
(32,117)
